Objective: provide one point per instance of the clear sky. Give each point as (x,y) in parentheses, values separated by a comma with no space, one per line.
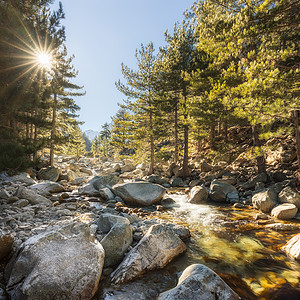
(103,34)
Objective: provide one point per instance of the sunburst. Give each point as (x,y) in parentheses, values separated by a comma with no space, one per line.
(31,54)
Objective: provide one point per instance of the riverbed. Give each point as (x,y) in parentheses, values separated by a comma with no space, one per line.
(230,241)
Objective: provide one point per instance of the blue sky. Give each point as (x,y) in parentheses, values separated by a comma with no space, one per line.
(103,34)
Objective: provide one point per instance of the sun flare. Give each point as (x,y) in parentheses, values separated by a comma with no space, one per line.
(44,60)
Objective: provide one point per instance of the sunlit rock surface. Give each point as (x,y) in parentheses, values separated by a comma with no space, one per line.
(292,248)
(64,262)
(198,194)
(288,195)
(198,282)
(265,200)
(284,211)
(139,193)
(155,250)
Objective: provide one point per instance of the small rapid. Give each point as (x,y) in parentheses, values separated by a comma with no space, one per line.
(240,249)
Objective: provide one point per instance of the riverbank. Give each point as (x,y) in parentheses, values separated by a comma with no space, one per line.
(241,244)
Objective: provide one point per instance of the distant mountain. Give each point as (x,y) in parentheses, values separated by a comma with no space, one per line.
(91,134)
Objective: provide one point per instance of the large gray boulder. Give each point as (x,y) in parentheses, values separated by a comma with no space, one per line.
(49,173)
(265,200)
(47,187)
(24,178)
(198,282)
(292,247)
(288,195)
(284,211)
(116,243)
(218,191)
(155,250)
(139,193)
(64,262)
(32,196)
(98,182)
(198,194)
(107,221)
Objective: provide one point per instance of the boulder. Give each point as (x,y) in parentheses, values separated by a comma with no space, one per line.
(106,194)
(71,175)
(218,191)
(284,211)
(64,262)
(98,182)
(21,203)
(24,178)
(198,282)
(86,171)
(292,247)
(139,193)
(49,173)
(116,243)
(47,187)
(6,243)
(129,167)
(288,195)
(177,182)
(4,195)
(262,177)
(155,250)
(74,167)
(157,179)
(32,196)
(107,221)
(198,194)
(265,200)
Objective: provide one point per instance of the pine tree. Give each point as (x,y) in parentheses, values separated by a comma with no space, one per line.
(140,87)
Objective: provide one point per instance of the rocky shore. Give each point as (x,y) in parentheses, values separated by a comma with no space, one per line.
(64,229)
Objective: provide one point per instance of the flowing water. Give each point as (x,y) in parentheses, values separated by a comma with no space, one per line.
(240,249)
(229,241)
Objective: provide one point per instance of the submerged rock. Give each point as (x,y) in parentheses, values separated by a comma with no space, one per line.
(292,247)
(64,262)
(282,227)
(198,282)
(155,250)
(139,193)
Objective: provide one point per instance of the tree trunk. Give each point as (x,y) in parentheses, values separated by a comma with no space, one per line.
(185,165)
(198,142)
(212,134)
(260,160)
(27,126)
(52,142)
(296,116)
(176,156)
(151,168)
(225,129)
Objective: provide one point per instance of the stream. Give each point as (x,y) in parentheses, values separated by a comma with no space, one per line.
(230,242)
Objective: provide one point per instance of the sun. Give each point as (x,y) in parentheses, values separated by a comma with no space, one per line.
(44,59)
